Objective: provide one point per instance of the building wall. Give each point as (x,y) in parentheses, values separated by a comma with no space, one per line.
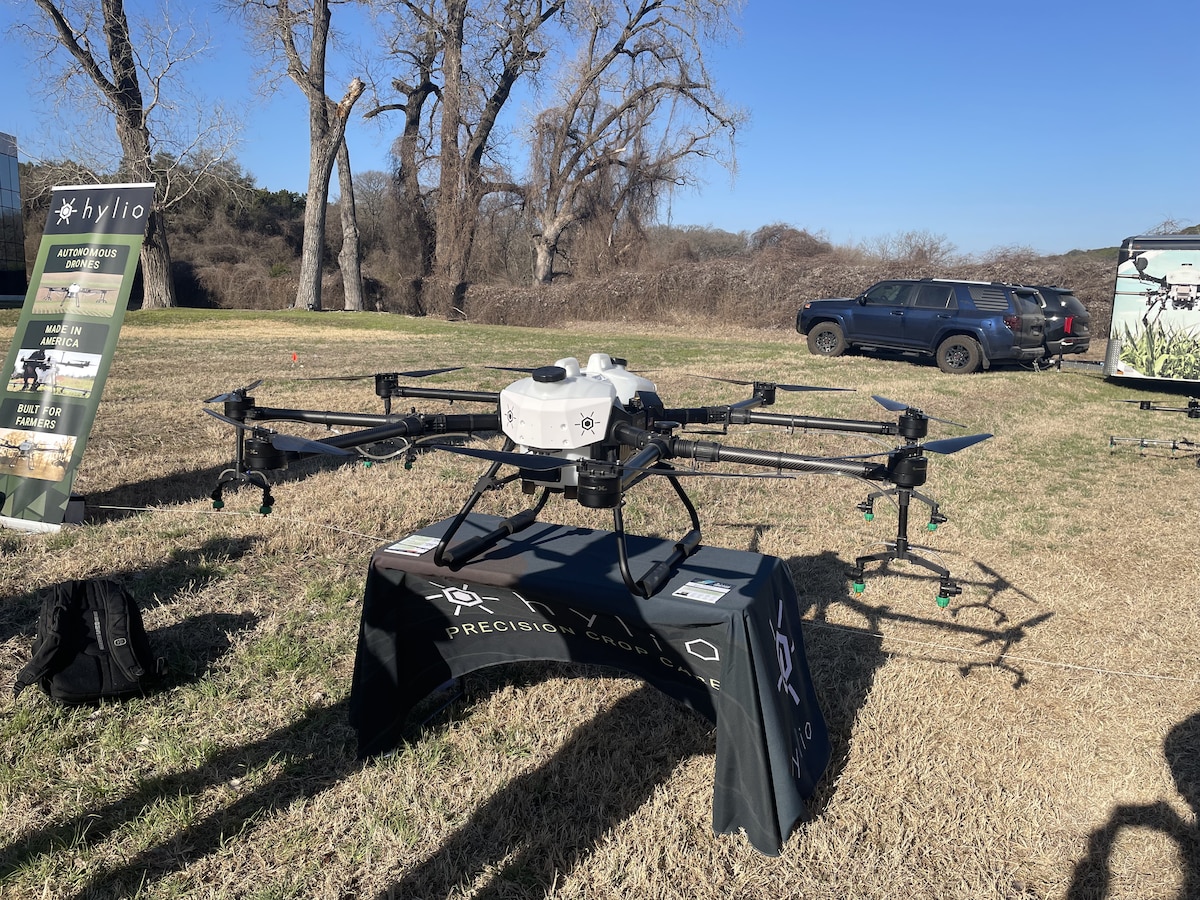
(12,229)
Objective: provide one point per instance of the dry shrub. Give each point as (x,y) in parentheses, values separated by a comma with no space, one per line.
(247,286)
(765,291)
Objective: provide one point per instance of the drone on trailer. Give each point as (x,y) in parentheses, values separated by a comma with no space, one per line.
(1191,410)
(1179,289)
(590,434)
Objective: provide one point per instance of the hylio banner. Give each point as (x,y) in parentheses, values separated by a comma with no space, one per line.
(63,345)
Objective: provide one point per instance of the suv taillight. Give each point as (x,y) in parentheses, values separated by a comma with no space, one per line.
(1067,323)
(1013,322)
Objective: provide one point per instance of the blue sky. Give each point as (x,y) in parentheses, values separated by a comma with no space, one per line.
(1052,125)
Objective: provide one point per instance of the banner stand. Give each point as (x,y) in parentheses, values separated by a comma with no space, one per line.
(63,346)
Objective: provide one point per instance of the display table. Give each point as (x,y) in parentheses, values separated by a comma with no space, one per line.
(722,636)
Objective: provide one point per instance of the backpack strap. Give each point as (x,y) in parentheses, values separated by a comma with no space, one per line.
(119,610)
(50,637)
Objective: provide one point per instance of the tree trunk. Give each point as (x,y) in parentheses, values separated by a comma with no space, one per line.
(312,254)
(444,291)
(326,133)
(544,251)
(158,286)
(348,259)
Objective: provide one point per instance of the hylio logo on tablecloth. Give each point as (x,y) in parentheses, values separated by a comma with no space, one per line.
(464,598)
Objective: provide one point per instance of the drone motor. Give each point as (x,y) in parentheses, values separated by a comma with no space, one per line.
(261,454)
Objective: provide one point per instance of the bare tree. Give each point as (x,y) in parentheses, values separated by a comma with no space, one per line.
(915,247)
(132,79)
(1171,225)
(371,191)
(469,60)
(415,44)
(634,107)
(779,237)
(299,33)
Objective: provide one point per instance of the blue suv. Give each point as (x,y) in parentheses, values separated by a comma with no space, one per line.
(964,325)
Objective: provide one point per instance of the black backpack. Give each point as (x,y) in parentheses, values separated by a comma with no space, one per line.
(90,644)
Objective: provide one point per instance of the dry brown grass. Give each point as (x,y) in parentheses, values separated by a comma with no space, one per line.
(1037,739)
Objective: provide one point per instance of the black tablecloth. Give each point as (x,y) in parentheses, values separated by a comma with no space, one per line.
(722,636)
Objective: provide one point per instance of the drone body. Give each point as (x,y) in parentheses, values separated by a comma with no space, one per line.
(590,433)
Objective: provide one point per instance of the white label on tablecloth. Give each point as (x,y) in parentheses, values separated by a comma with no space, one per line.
(705,590)
(413,545)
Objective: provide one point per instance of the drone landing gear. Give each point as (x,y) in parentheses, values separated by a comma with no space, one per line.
(236,478)
(900,548)
(658,573)
(600,486)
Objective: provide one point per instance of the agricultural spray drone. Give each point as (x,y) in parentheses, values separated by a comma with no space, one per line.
(589,433)
(1180,289)
(1191,410)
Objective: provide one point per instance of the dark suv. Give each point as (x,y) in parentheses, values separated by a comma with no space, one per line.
(1067,321)
(965,325)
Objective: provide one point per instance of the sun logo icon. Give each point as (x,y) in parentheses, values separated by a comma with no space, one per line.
(65,211)
(587,423)
(463,598)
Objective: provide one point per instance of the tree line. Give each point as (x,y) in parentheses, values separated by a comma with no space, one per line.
(627,107)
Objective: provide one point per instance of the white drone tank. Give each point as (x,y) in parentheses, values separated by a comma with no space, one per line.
(557,408)
(627,384)
(1184,286)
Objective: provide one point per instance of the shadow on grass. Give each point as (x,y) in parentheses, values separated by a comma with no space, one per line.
(1092,877)
(126,500)
(533,831)
(319,752)
(536,829)
(843,659)
(185,568)
(544,824)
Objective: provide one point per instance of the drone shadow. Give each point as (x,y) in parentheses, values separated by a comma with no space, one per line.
(844,659)
(129,499)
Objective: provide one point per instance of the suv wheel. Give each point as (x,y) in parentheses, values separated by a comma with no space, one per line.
(959,355)
(826,339)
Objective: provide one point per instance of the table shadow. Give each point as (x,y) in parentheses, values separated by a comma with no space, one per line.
(544,824)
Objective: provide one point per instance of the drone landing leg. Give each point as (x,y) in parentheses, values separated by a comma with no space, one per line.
(658,573)
(238,476)
(900,549)
(454,559)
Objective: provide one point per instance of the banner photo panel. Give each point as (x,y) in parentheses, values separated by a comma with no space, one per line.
(63,345)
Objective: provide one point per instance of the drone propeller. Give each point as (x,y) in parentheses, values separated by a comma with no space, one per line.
(782,387)
(897,406)
(235,394)
(285,442)
(418,373)
(954,444)
(943,446)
